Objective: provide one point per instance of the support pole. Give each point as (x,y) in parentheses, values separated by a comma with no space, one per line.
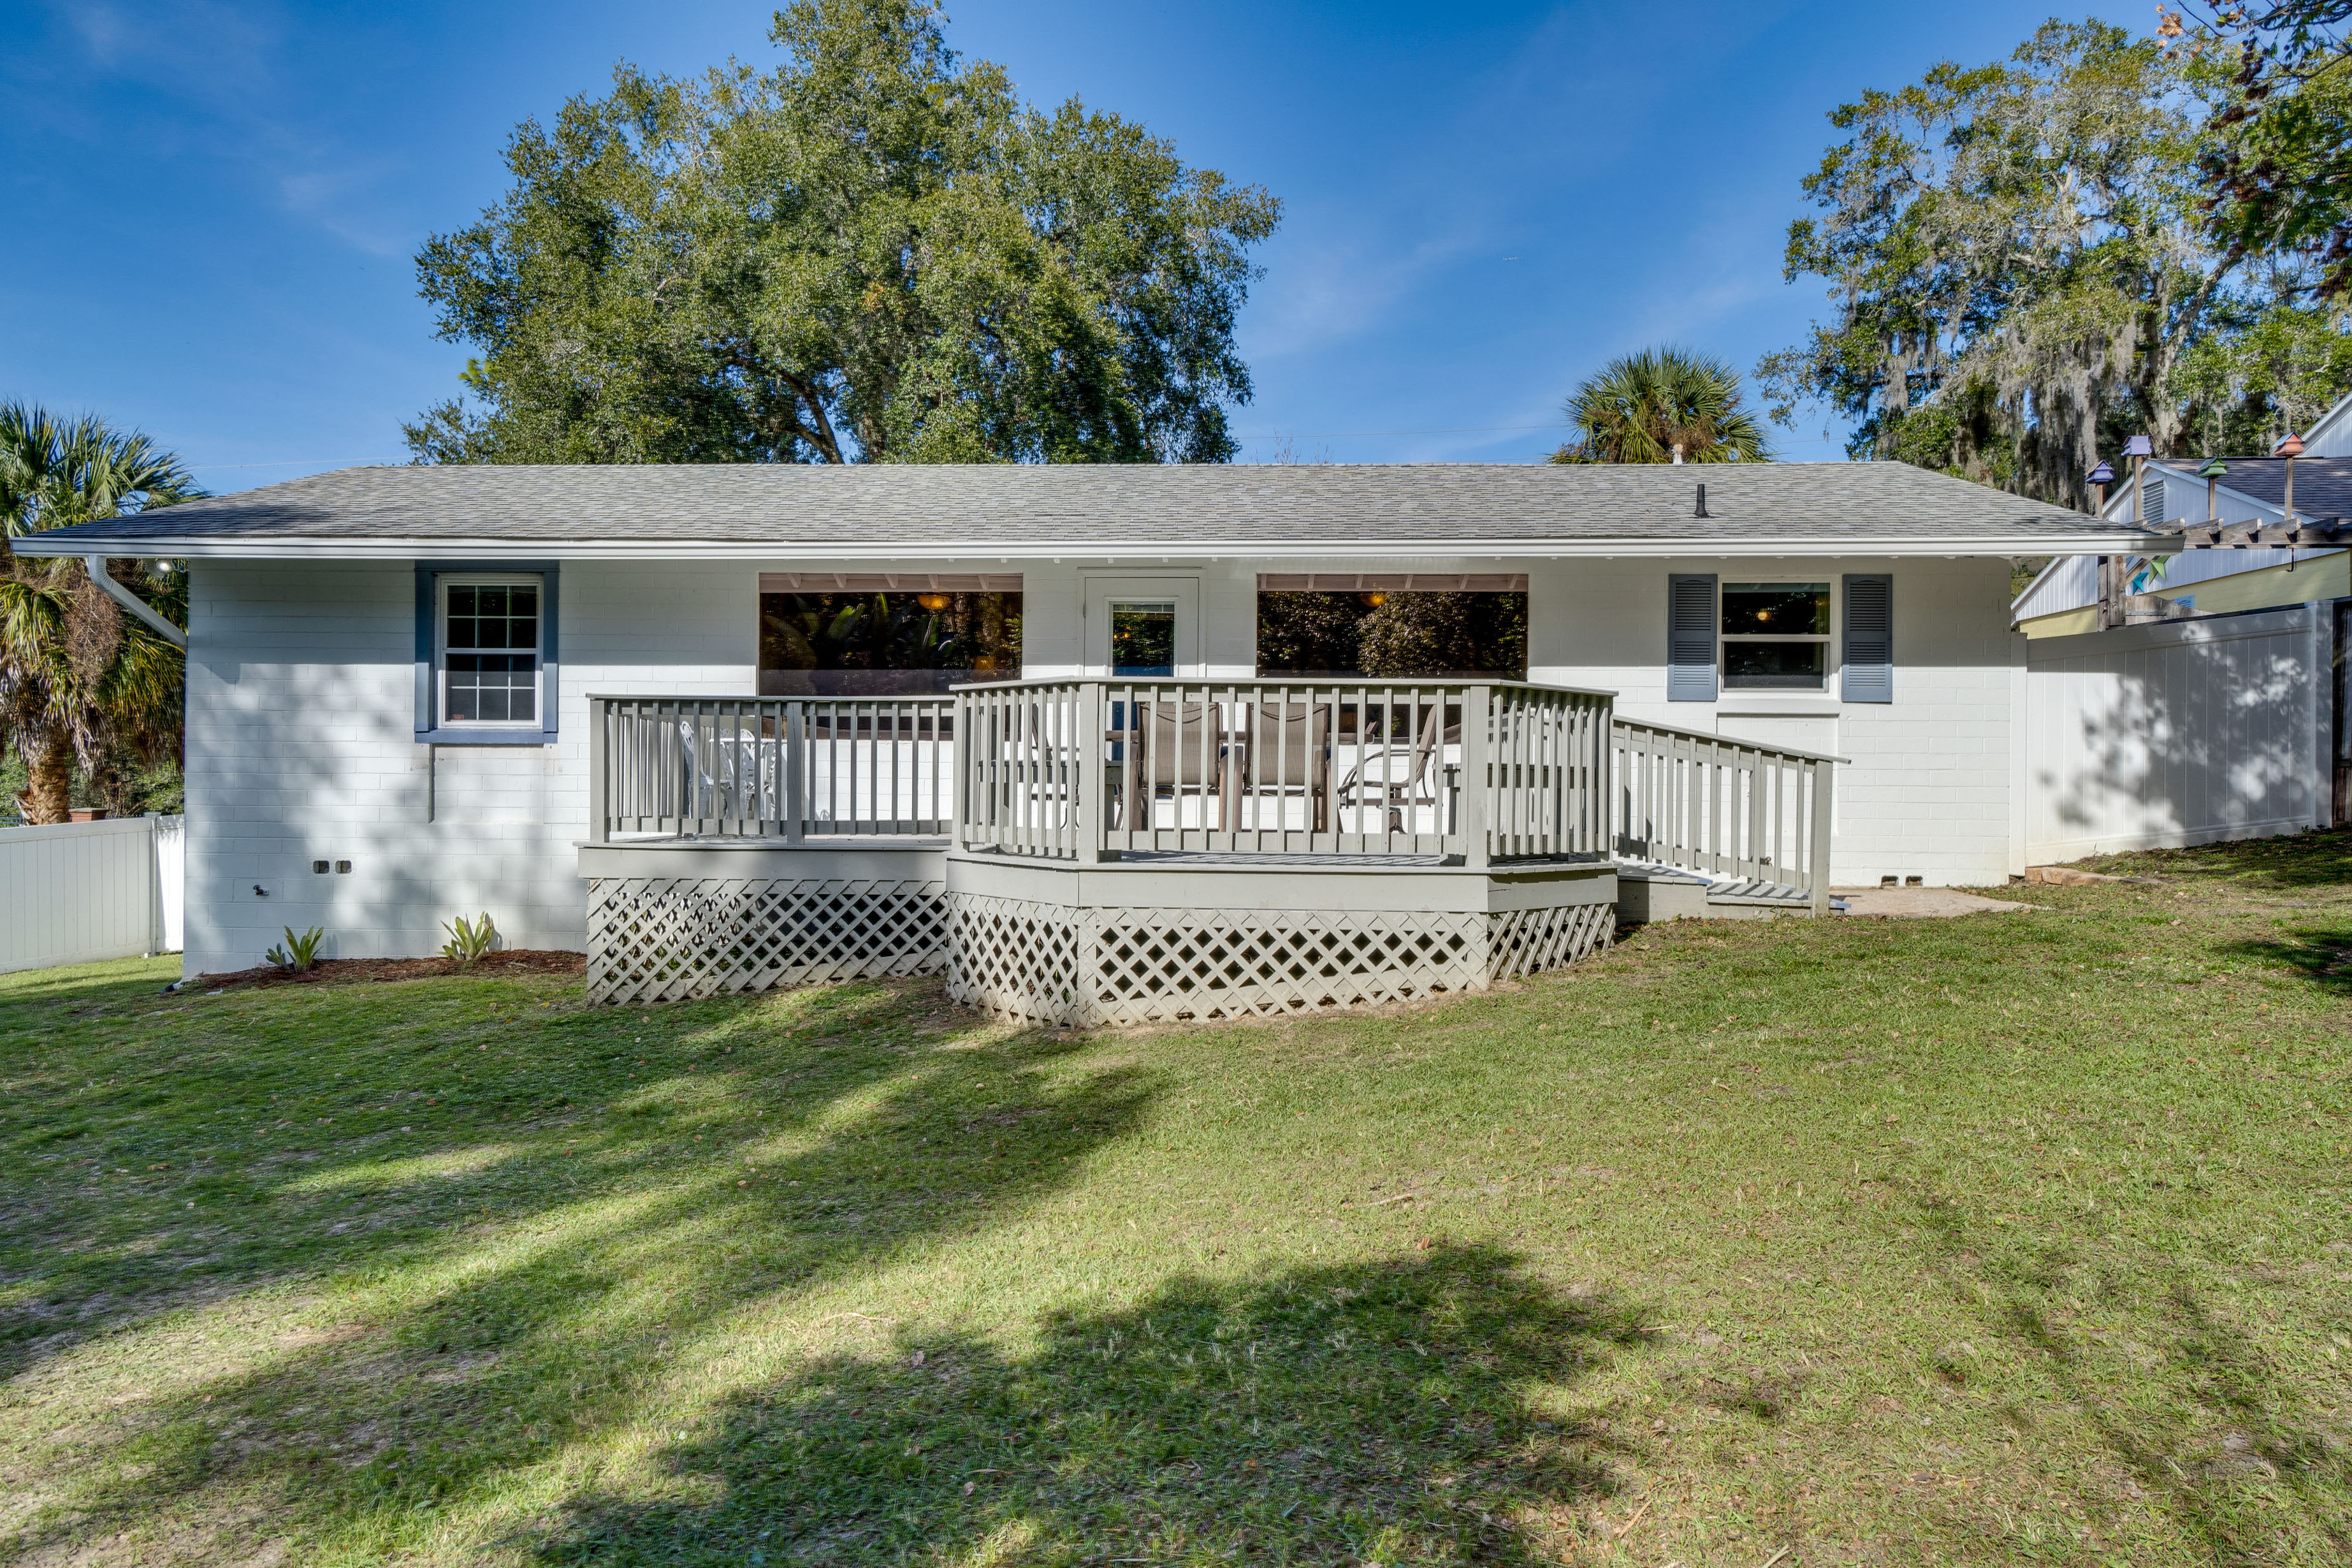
(1478,769)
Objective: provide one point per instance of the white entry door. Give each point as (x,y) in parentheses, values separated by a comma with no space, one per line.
(1143,626)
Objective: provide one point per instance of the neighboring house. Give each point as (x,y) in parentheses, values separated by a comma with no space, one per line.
(390,718)
(2062,600)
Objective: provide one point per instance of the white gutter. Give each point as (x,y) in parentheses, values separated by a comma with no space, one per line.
(2005,546)
(134,602)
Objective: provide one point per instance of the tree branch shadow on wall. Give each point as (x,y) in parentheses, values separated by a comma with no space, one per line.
(1383,1412)
(2224,742)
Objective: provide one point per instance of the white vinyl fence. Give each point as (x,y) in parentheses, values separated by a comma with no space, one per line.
(2178,732)
(82,891)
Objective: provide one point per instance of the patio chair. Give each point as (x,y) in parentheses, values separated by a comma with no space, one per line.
(1396,780)
(1286,751)
(1181,747)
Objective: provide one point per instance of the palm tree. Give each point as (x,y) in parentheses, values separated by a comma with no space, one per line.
(1662,405)
(77,679)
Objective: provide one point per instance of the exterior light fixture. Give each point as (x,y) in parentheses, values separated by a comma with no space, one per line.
(2099,478)
(2139,449)
(2211,474)
(1375,598)
(934,602)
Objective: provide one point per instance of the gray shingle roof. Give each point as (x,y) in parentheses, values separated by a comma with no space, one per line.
(1404,507)
(2323,486)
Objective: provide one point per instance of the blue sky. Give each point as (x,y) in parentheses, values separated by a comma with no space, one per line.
(212,208)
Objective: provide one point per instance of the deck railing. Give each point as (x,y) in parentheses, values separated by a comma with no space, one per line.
(1722,806)
(770,767)
(1084,769)
(1473,771)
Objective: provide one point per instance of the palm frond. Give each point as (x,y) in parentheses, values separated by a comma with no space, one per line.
(1639,409)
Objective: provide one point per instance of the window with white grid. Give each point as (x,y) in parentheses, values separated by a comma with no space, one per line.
(491,641)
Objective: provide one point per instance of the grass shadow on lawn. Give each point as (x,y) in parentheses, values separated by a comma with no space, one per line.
(469,1323)
(2295,861)
(1384,1412)
(2207,1423)
(2323,956)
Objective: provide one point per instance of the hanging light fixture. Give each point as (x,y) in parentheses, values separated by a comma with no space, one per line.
(1374,598)
(934,602)
(2211,474)
(2139,449)
(2291,448)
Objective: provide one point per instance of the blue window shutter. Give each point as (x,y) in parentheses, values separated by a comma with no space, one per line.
(1690,638)
(1869,637)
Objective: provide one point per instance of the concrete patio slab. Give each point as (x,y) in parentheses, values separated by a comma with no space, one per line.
(1918,903)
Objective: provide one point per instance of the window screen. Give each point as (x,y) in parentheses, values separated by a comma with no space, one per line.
(490,654)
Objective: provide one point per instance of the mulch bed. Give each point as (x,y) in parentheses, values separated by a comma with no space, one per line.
(348,970)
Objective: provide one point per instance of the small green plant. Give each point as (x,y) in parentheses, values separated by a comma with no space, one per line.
(468,940)
(298,954)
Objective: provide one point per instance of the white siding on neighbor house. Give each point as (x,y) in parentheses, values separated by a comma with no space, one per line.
(2178,732)
(301,747)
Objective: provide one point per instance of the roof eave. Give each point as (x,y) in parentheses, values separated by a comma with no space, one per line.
(298,548)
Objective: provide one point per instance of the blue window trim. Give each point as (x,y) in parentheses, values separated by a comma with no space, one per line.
(429,730)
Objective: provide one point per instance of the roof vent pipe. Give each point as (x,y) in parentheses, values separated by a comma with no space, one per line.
(1700,510)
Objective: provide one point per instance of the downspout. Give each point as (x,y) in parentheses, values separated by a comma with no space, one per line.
(96,566)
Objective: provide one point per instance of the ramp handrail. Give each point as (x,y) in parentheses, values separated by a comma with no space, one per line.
(1724,807)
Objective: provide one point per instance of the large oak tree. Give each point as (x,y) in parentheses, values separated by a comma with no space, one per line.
(873,252)
(2022,271)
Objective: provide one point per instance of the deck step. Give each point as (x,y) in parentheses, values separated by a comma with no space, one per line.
(1755,891)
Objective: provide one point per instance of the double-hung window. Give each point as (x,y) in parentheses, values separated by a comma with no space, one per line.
(490,652)
(1776,636)
(486,655)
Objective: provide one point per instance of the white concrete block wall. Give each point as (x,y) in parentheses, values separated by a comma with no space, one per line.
(301,747)
(300,740)
(1928,792)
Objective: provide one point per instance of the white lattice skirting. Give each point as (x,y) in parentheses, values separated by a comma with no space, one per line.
(1054,963)
(662,938)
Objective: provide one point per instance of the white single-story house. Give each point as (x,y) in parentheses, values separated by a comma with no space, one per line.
(609,704)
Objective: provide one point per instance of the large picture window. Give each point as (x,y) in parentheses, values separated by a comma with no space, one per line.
(489,653)
(1776,636)
(1401,626)
(879,636)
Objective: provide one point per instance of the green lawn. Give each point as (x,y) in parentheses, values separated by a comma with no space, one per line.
(2016,1238)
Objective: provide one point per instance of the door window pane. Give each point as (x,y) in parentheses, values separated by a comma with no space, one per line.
(1143,638)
